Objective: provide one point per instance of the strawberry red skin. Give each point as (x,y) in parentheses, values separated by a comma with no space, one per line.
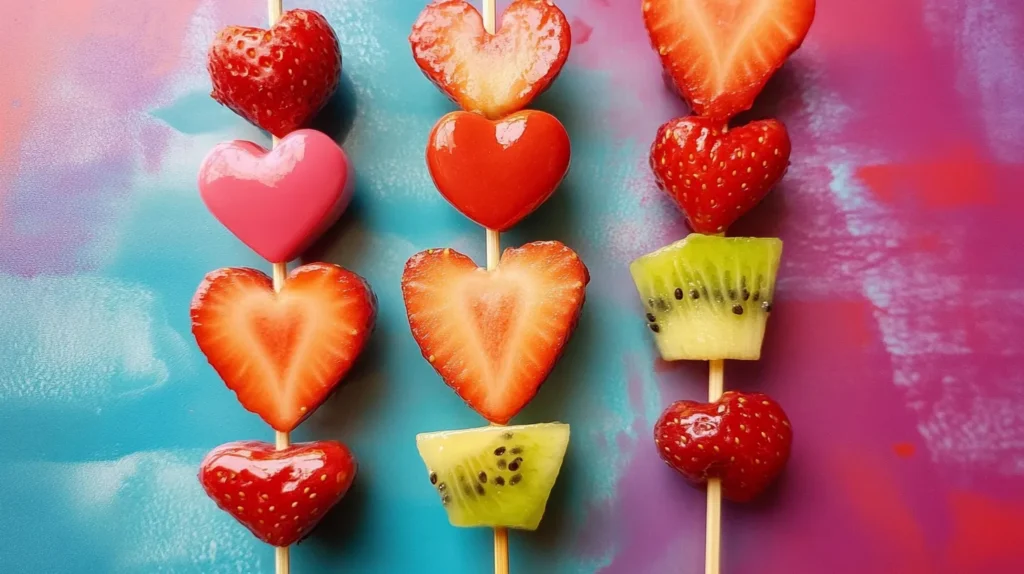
(279,495)
(283,354)
(718,73)
(717,174)
(277,79)
(743,438)
(494,75)
(461,317)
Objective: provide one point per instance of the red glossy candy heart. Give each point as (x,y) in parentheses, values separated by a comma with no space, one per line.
(498,172)
(279,495)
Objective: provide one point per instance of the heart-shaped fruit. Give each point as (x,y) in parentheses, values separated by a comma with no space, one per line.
(277,202)
(743,439)
(494,336)
(717,174)
(721,53)
(277,79)
(279,495)
(283,352)
(491,74)
(498,172)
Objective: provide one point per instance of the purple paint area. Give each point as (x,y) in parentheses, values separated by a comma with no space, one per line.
(895,345)
(89,130)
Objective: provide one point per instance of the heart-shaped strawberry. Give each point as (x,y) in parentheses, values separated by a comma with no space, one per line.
(498,172)
(715,173)
(491,74)
(279,495)
(494,336)
(283,352)
(743,439)
(721,53)
(277,79)
(277,202)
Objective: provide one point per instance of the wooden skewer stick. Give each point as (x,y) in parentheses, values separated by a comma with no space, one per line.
(282,563)
(713,537)
(493,255)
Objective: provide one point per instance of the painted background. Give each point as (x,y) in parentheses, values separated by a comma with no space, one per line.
(896,345)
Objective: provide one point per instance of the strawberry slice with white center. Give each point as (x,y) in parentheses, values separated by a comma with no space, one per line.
(720,53)
(492,74)
(283,352)
(494,336)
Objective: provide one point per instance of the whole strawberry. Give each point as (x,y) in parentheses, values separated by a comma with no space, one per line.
(277,79)
(716,173)
(279,495)
(743,439)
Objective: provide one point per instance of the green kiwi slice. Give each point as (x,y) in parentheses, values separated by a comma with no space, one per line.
(495,476)
(708,297)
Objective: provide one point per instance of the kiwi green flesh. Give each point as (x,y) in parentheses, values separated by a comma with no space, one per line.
(495,476)
(708,297)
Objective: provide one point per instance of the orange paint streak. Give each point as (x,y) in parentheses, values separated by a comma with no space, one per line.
(879,504)
(904,449)
(926,241)
(847,26)
(988,534)
(953,180)
(854,317)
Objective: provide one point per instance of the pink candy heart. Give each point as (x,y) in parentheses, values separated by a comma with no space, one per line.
(277,202)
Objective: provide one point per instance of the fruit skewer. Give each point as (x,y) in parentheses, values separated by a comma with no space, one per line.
(708,297)
(278,202)
(494,335)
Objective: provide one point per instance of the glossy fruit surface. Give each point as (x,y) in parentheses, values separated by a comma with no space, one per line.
(498,172)
(277,202)
(277,79)
(279,495)
(497,74)
(743,438)
(716,175)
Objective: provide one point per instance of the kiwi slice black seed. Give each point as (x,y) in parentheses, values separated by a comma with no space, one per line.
(499,476)
(729,283)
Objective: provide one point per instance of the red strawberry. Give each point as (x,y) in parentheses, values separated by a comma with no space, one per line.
(278,79)
(280,495)
(744,439)
(720,54)
(491,74)
(716,174)
(283,353)
(494,336)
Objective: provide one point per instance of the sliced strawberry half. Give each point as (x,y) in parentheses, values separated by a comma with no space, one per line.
(492,74)
(282,353)
(721,53)
(494,336)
